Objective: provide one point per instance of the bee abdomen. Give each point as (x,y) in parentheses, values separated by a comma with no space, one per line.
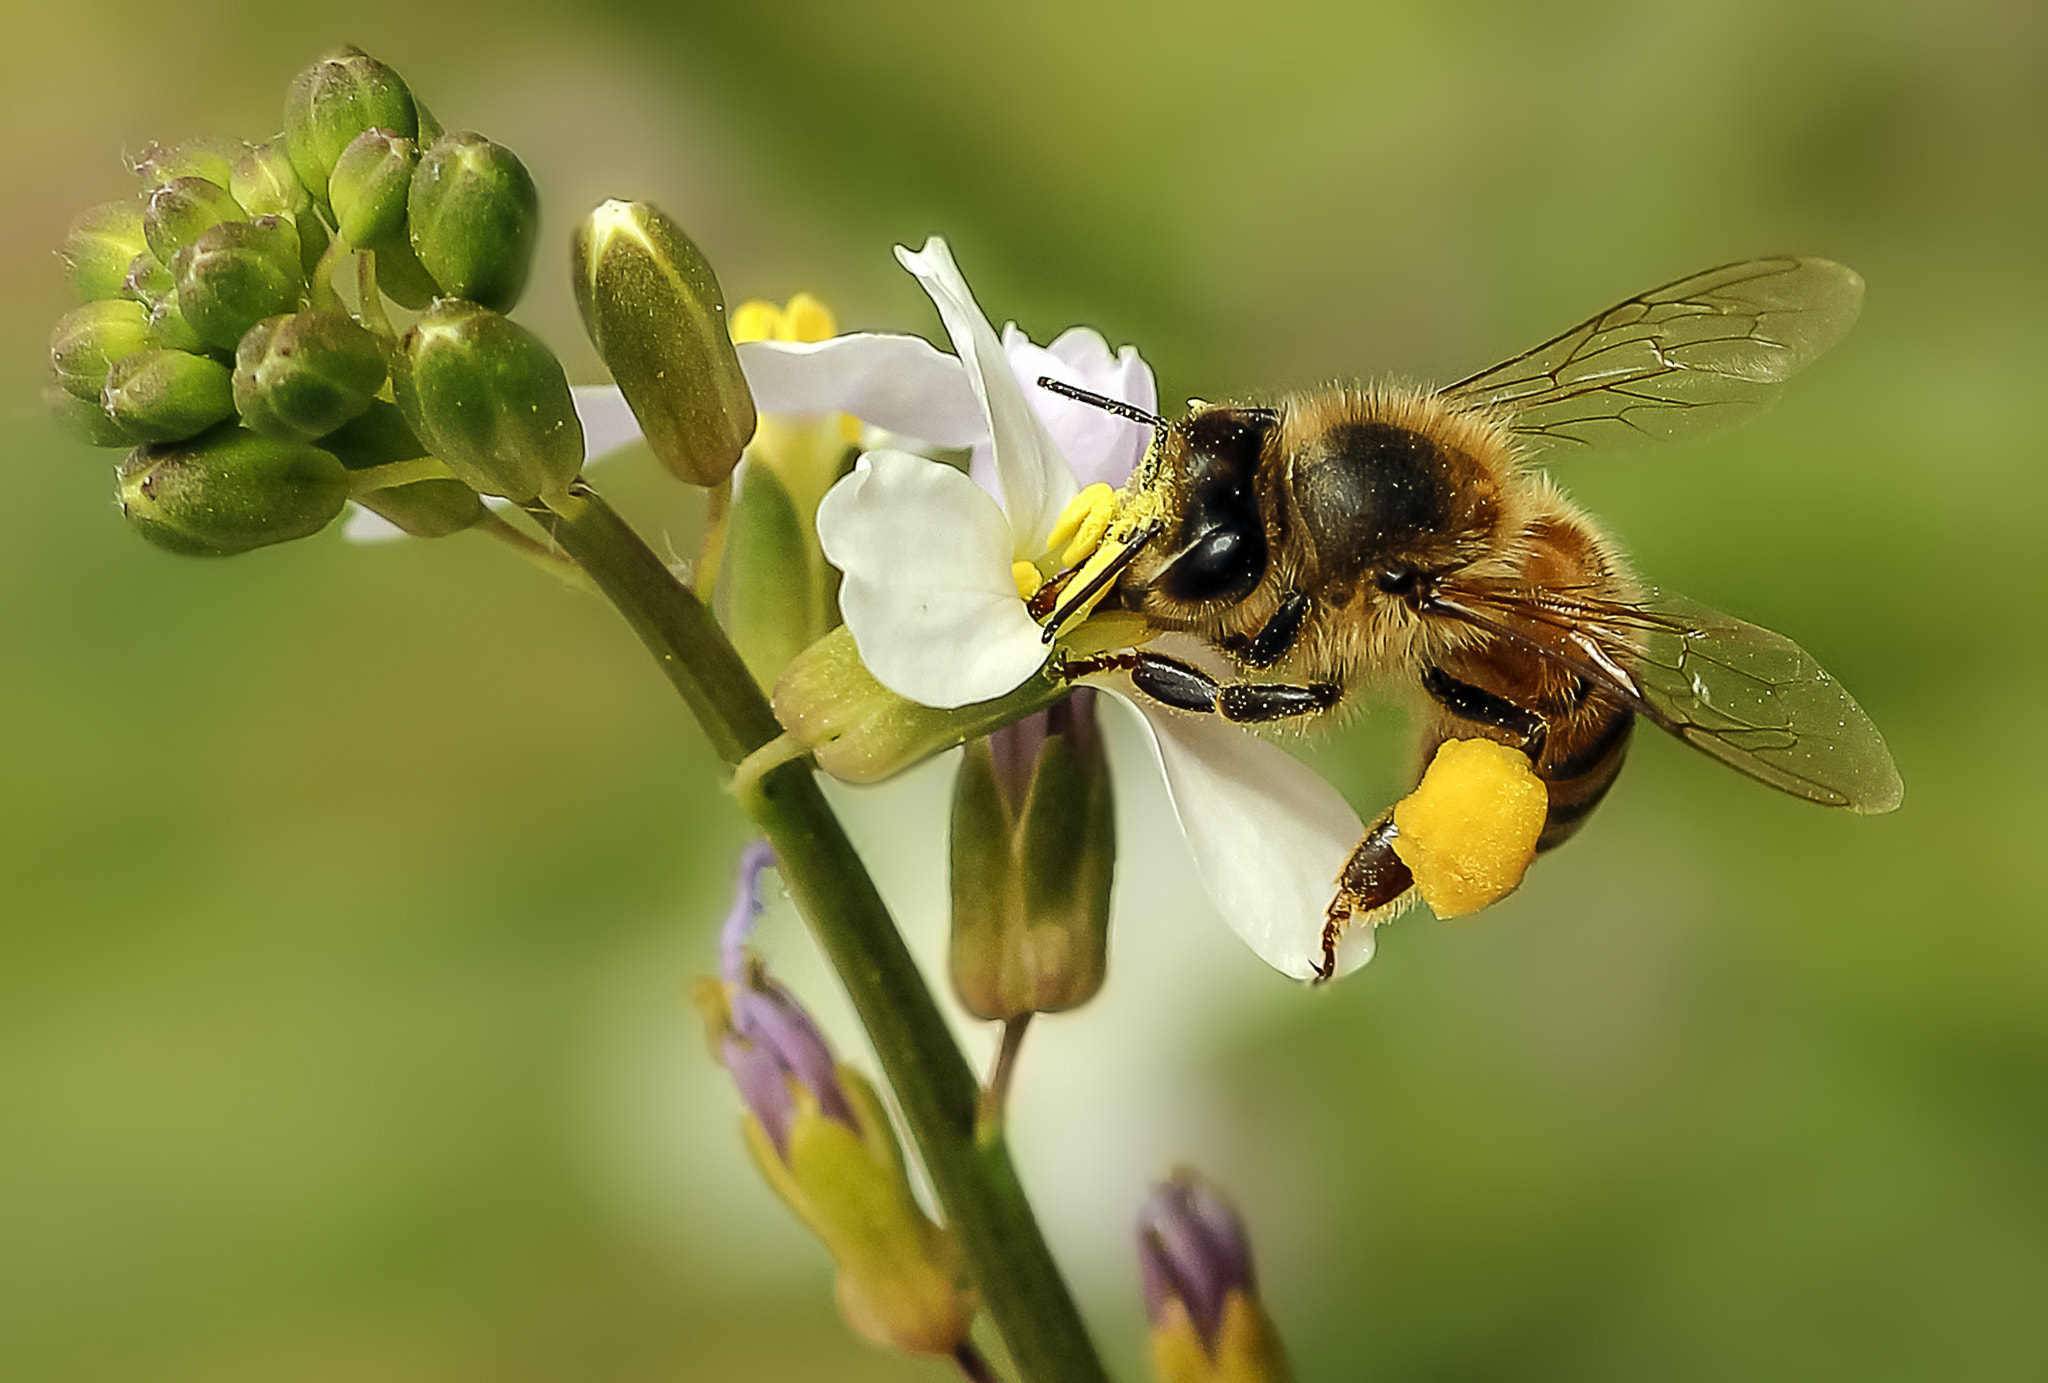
(1579,765)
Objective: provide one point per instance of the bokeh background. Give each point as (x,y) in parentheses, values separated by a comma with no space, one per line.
(350,893)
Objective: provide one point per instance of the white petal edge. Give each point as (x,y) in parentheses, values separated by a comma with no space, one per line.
(900,383)
(1269,837)
(367,526)
(1098,445)
(608,421)
(1036,480)
(928,594)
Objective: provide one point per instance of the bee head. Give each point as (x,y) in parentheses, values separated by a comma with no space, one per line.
(1217,551)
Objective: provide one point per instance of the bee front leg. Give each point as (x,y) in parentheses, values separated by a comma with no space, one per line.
(1374,886)
(1185,687)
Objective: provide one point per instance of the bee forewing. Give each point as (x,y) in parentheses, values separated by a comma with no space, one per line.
(1696,354)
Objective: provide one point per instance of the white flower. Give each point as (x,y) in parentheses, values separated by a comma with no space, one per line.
(931,602)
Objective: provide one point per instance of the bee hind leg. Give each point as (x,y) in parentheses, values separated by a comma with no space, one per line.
(1374,887)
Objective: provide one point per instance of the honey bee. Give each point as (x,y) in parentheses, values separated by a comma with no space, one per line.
(1383,534)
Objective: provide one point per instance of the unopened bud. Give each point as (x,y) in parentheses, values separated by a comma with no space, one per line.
(211,159)
(490,400)
(861,732)
(101,245)
(1207,1323)
(168,328)
(89,339)
(1033,853)
(263,182)
(653,308)
(426,508)
(237,274)
(378,436)
(168,396)
(180,211)
(369,187)
(86,421)
(401,276)
(299,377)
(230,491)
(474,215)
(332,102)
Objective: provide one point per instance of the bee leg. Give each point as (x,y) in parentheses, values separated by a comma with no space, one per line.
(1482,707)
(1186,687)
(1271,643)
(1374,886)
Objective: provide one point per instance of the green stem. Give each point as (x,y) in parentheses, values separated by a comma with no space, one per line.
(976,1182)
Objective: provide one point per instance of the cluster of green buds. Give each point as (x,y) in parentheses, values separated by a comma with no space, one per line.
(822,1140)
(257,395)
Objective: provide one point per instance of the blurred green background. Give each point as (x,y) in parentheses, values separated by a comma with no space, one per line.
(351,892)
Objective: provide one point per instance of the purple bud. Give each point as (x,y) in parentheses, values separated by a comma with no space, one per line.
(1192,1249)
(769,1039)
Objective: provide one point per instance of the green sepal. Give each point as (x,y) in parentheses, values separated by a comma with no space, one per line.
(861,732)
(168,395)
(169,330)
(86,421)
(236,274)
(211,159)
(655,312)
(371,180)
(490,401)
(473,215)
(379,436)
(100,246)
(426,508)
(332,102)
(299,377)
(766,580)
(229,491)
(88,340)
(264,182)
(180,211)
(402,277)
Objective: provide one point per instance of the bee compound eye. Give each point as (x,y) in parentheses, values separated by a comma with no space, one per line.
(1225,563)
(1397,579)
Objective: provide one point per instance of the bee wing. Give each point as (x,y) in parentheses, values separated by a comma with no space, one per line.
(1751,698)
(1706,350)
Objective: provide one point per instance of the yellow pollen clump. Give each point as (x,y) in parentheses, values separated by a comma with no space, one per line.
(1082,523)
(1027,578)
(1469,829)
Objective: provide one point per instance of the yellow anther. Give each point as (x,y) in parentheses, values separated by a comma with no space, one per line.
(1027,578)
(755,320)
(849,429)
(1082,523)
(807,319)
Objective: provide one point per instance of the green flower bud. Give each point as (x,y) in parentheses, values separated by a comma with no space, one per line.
(653,309)
(378,436)
(490,400)
(767,582)
(1033,852)
(237,274)
(148,279)
(368,190)
(332,102)
(169,329)
(211,159)
(101,245)
(1208,1324)
(89,339)
(229,491)
(183,209)
(474,215)
(86,421)
(263,182)
(401,277)
(861,732)
(299,377)
(167,396)
(426,508)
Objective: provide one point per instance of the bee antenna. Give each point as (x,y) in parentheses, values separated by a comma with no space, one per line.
(1129,411)
(1110,572)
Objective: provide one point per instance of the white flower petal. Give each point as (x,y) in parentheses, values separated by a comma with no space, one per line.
(367,526)
(1036,480)
(900,383)
(1269,837)
(1098,445)
(928,593)
(608,421)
